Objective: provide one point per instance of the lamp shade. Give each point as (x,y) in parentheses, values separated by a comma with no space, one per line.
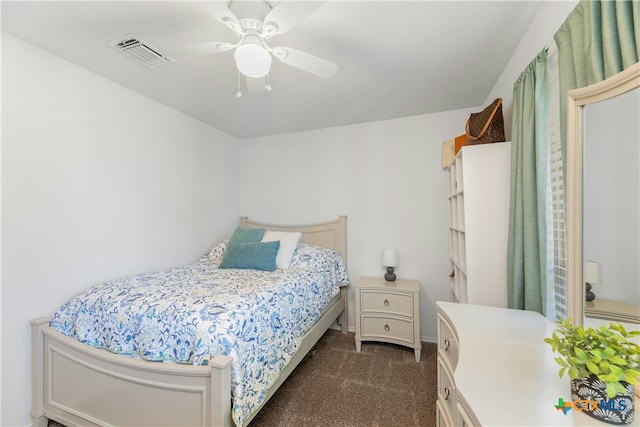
(591,272)
(252,60)
(389,258)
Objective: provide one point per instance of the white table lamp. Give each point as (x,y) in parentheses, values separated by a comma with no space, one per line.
(390,260)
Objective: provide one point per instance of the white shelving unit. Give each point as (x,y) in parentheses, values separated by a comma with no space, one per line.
(478,197)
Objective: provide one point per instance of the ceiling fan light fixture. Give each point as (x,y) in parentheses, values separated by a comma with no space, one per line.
(252,60)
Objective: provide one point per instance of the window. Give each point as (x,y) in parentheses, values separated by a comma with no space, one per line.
(556,236)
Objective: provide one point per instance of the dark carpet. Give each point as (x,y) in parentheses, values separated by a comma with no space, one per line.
(382,386)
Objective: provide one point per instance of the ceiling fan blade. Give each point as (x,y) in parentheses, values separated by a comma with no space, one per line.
(305,61)
(191,49)
(288,13)
(220,11)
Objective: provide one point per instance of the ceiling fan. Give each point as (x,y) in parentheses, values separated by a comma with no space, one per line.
(255,23)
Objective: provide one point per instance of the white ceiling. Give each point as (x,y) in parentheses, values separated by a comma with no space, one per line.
(395,58)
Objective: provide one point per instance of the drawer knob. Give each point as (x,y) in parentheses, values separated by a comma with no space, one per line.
(386,303)
(447,393)
(447,344)
(386,327)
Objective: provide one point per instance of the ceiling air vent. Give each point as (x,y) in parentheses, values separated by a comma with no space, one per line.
(140,51)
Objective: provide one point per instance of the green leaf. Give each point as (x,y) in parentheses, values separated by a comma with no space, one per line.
(573,372)
(576,361)
(595,358)
(631,378)
(603,330)
(562,371)
(621,329)
(592,368)
(580,353)
(618,388)
(560,361)
(616,370)
(618,361)
(632,372)
(611,378)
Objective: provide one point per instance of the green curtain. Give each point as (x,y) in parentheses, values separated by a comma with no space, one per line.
(526,249)
(597,40)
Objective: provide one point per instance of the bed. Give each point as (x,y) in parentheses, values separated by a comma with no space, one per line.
(78,384)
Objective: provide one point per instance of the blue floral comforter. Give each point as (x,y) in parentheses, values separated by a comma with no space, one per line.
(190,313)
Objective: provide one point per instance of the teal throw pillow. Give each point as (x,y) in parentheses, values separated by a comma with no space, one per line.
(247,235)
(254,256)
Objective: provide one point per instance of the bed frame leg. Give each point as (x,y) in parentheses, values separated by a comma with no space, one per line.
(221,390)
(39,421)
(37,372)
(343,318)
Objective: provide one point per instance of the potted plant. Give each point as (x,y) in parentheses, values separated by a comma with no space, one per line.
(604,366)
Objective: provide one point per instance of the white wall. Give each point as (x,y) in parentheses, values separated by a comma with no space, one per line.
(98,182)
(386,176)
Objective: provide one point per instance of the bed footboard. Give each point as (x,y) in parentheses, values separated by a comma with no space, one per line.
(78,385)
(75,384)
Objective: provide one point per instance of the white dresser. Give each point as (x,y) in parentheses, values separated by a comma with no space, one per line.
(494,369)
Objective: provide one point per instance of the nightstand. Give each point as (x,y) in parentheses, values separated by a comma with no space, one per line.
(388,312)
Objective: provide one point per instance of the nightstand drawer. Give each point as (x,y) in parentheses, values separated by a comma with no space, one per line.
(386,327)
(399,303)
(447,343)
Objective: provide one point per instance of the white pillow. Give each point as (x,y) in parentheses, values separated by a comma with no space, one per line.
(288,244)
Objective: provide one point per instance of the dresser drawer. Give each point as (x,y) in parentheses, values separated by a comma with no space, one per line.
(447,342)
(443,417)
(398,303)
(465,417)
(446,388)
(386,327)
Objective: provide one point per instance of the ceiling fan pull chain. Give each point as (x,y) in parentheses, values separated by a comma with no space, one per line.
(268,85)
(238,93)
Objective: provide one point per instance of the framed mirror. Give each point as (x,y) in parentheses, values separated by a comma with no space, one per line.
(603,201)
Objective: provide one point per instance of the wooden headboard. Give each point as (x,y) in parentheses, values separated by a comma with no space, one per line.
(331,234)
